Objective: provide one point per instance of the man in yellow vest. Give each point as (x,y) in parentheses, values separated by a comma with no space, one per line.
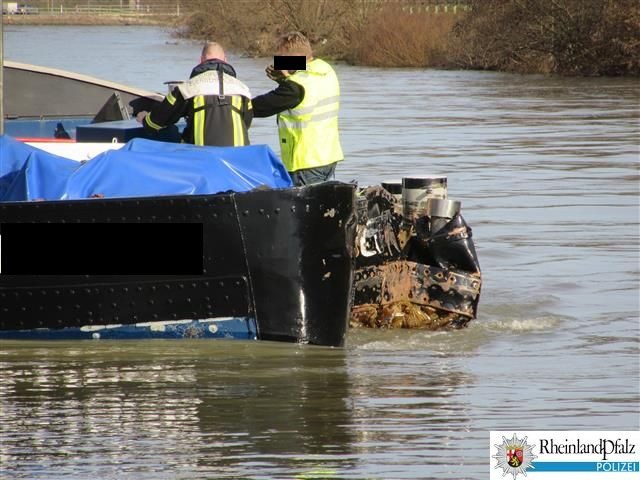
(307,104)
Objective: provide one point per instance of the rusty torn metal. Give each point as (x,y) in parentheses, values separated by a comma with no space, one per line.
(408,277)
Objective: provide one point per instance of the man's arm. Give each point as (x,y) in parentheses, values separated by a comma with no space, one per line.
(166,113)
(247,111)
(287,95)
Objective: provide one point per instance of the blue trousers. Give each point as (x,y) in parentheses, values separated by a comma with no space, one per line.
(307,176)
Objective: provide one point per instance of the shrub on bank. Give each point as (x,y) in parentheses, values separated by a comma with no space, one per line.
(396,38)
(251,27)
(568,37)
(358,31)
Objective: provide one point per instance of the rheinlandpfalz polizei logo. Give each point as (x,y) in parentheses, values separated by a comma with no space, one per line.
(514,456)
(564,455)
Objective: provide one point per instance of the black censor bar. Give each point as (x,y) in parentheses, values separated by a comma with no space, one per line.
(294,62)
(101,248)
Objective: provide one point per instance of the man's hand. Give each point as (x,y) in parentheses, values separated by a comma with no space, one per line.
(277,75)
(140,116)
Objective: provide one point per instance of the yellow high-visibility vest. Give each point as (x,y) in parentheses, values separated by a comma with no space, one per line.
(309,132)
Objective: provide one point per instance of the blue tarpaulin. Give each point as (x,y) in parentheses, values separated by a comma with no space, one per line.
(140,168)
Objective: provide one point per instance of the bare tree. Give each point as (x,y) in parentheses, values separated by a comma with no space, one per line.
(575,37)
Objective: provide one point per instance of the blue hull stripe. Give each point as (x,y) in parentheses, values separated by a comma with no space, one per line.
(241,328)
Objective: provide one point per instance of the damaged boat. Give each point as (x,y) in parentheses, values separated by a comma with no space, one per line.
(267,256)
(130,245)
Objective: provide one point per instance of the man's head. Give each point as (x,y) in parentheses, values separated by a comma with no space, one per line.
(294,44)
(211,51)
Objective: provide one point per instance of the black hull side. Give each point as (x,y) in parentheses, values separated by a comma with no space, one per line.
(275,255)
(305,271)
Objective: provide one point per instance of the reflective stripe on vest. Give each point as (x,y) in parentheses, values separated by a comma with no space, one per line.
(334,101)
(305,123)
(309,132)
(236,118)
(198,120)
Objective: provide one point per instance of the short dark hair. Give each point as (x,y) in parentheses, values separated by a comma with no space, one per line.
(294,43)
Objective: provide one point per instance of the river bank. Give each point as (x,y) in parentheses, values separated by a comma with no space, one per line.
(81,19)
(569,38)
(564,37)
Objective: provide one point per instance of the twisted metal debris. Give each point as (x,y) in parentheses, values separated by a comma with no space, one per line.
(407,276)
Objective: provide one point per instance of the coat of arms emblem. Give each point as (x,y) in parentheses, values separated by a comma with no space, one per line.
(514,456)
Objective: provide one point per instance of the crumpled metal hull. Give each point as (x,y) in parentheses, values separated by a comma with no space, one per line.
(407,277)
